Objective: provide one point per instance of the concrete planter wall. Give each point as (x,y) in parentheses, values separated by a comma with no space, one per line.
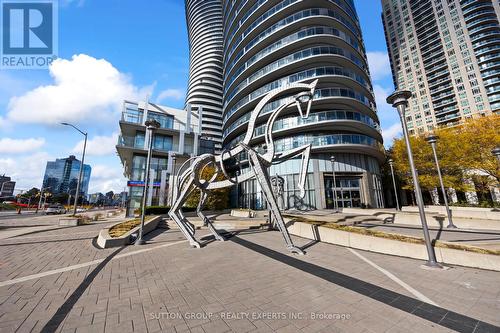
(242,213)
(434,218)
(71,221)
(104,240)
(461,212)
(394,247)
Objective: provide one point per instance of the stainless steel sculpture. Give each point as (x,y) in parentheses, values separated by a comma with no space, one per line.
(277,185)
(189,174)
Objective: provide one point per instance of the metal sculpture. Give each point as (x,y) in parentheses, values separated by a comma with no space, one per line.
(189,174)
(277,184)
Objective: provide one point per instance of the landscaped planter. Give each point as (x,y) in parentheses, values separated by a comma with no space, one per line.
(71,221)
(461,257)
(104,240)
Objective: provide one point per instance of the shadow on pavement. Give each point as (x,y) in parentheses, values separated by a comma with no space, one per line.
(64,309)
(435,314)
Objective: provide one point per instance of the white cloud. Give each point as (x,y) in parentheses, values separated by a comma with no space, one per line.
(84,89)
(381,94)
(105,178)
(98,145)
(27,171)
(176,94)
(379,65)
(391,132)
(18,146)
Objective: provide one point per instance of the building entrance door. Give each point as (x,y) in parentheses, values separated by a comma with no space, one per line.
(348,192)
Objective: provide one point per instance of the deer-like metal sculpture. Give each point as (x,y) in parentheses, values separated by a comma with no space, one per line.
(189,174)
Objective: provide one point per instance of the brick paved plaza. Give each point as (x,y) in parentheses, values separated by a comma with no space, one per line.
(247,284)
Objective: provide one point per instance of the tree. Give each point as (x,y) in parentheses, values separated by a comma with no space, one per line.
(33,192)
(464,152)
(217,199)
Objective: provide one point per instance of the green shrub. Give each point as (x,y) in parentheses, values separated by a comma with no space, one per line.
(4,206)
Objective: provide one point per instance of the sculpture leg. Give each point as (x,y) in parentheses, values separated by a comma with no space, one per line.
(205,219)
(181,179)
(191,228)
(263,179)
(174,211)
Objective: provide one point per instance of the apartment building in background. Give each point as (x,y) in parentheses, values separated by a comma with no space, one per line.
(257,46)
(6,187)
(204,93)
(177,139)
(61,176)
(447,53)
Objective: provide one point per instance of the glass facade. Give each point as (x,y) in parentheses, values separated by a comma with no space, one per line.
(269,44)
(61,176)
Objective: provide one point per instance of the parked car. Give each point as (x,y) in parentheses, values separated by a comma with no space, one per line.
(55,209)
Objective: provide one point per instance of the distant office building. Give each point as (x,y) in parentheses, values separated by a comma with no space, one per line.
(61,176)
(6,186)
(178,136)
(447,53)
(204,23)
(96,199)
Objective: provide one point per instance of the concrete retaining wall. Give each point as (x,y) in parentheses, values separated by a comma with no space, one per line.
(461,212)
(434,219)
(393,247)
(104,240)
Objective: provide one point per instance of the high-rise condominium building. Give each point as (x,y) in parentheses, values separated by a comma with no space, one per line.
(61,176)
(270,44)
(204,22)
(447,52)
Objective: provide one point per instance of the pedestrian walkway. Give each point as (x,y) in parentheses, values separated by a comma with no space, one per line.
(58,281)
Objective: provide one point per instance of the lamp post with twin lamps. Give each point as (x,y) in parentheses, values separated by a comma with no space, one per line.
(334,187)
(77,193)
(432,139)
(391,164)
(151,125)
(399,100)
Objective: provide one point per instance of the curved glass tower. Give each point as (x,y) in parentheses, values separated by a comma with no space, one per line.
(204,23)
(269,44)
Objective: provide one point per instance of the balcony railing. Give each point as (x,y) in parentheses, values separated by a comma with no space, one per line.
(138,143)
(166,121)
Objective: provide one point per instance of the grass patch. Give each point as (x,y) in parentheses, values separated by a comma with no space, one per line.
(124,227)
(401,238)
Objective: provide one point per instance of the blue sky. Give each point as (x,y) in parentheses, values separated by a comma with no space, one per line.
(115,49)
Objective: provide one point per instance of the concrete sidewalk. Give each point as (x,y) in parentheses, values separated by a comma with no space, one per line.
(59,282)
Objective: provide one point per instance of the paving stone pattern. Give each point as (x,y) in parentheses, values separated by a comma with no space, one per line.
(247,284)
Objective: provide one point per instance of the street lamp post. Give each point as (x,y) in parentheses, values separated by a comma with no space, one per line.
(334,187)
(496,152)
(237,189)
(174,183)
(77,193)
(41,195)
(432,139)
(151,125)
(399,100)
(391,164)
